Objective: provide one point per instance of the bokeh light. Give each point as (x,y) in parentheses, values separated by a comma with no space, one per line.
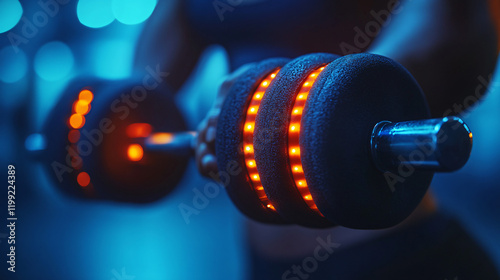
(53,61)
(135,152)
(83,179)
(86,95)
(35,142)
(10,14)
(132,11)
(95,13)
(74,136)
(76,121)
(14,64)
(113,59)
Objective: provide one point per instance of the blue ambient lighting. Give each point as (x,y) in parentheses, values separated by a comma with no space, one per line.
(95,13)
(10,14)
(132,11)
(53,61)
(14,65)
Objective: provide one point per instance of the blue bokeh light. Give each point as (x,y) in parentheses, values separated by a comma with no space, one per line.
(35,142)
(95,13)
(113,58)
(14,65)
(10,14)
(132,11)
(53,61)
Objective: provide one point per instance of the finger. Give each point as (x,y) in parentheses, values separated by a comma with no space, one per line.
(206,161)
(201,150)
(209,165)
(201,131)
(210,134)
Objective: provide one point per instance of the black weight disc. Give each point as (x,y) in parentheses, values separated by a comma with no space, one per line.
(349,97)
(229,142)
(156,174)
(271,141)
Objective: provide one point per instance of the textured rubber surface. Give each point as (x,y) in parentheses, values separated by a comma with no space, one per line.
(271,141)
(349,97)
(229,140)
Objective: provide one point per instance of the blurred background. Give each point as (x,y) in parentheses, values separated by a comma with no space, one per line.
(46,45)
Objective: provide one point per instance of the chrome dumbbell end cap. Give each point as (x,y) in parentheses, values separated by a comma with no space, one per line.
(440,145)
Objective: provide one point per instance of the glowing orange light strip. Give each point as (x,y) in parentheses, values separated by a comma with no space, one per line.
(139,130)
(293,139)
(76,121)
(161,138)
(248,148)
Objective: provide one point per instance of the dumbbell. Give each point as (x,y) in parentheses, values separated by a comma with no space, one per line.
(321,140)
(84,141)
(325,140)
(327,134)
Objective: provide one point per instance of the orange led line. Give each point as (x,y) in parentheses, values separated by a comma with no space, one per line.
(293,140)
(76,121)
(83,179)
(162,138)
(248,148)
(135,152)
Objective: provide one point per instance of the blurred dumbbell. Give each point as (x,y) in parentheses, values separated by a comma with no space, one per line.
(86,141)
(324,141)
(320,140)
(334,140)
